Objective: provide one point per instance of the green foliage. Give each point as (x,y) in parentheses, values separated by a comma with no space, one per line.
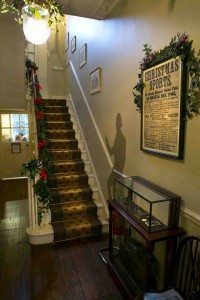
(31,169)
(178,46)
(43,162)
(42,191)
(33,9)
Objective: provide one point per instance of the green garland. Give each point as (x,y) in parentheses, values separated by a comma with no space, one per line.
(33,9)
(41,165)
(180,45)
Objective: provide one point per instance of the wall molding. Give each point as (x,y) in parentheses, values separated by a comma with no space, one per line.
(91,116)
(190,215)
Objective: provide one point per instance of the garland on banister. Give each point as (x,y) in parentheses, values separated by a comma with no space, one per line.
(42,164)
(180,45)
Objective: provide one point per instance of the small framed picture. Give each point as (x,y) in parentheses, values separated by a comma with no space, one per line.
(83,55)
(16,147)
(95,81)
(73,44)
(67,42)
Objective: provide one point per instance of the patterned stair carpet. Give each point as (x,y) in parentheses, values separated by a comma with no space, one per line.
(73,211)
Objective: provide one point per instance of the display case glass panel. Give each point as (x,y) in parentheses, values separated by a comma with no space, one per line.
(152,207)
(131,259)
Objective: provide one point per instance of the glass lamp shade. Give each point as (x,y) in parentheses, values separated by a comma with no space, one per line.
(36,30)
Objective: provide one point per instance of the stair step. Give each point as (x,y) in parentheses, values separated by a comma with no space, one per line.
(54,102)
(78,209)
(63,144)
(75,210)
(57,116)
(78,228)
(60,134)
(61,155)
(62,195)
(66,180)
(68,166)
(60,125)
(56,109)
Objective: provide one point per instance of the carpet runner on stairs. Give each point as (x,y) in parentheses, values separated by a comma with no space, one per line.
(73,210)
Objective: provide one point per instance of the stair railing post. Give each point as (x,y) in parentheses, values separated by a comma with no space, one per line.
(33,209)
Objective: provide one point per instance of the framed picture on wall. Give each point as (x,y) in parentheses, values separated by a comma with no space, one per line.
(163,109)
(73,44)
(83,55)
(95,81)
(67,42)
(16,147)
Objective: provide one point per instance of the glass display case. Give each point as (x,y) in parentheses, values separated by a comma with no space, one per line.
(130,257)
(133,258)
(153,207)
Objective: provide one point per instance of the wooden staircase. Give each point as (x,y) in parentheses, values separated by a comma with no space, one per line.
(73,209)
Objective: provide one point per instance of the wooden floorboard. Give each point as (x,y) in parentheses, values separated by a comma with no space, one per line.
(67,271)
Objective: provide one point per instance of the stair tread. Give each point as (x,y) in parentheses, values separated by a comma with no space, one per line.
(74,211)
(54,106)
(64,150)
(77,228)
(70,189)
(77,174)
(69,161)
(62,140)
(56,113)
(67,121)
(61,174)
(61,130)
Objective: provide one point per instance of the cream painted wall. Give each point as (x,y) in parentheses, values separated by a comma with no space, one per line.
(116,46)
(56,62)
(12,66)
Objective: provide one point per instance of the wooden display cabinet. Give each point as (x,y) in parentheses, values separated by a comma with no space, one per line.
(132,262)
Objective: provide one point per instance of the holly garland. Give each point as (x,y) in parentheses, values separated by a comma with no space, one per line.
(41,165)
(180,45)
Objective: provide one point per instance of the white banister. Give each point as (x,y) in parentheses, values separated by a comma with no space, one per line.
(37,233)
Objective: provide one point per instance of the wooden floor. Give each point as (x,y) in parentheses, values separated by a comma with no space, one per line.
(69,271)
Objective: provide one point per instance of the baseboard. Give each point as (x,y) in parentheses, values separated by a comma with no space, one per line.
(190,215)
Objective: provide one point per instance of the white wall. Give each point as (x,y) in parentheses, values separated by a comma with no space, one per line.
(12,64)
(116,46)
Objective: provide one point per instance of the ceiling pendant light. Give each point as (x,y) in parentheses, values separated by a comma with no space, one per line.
(35,24)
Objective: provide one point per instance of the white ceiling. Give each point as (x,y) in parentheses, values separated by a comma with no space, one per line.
(95,9)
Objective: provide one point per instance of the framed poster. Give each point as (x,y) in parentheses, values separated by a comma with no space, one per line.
(162,109)
(16,147)
(95,81)
(83,55)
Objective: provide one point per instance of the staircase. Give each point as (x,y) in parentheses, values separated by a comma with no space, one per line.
(73,209)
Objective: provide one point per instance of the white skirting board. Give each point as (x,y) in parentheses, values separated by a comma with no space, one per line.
(39,236)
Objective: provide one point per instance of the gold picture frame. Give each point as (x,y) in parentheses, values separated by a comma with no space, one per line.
(73,44)
(67,42)
(95,81)
(83,56)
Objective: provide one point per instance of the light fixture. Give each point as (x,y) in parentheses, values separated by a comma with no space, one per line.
(35,26)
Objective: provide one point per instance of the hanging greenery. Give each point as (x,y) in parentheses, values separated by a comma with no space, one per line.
(180,45)
(33,9)
(32,168)
(41,165)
